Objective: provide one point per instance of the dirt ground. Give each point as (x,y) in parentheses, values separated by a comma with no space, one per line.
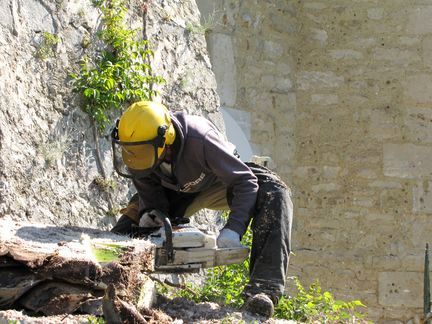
(177,311)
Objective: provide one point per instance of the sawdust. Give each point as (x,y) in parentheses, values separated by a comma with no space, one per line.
(185,311)
(9,316)
(166,311)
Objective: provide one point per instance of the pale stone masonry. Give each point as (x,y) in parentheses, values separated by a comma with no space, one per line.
(339,94)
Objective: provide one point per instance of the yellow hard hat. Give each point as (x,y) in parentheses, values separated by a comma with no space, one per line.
(141,121)
(141,135)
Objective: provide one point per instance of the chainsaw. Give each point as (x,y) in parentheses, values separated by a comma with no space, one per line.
(186,249)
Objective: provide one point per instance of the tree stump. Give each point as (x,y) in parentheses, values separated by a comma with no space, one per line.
(51,270)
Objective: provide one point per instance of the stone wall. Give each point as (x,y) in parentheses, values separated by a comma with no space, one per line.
(47,148)
(339,94)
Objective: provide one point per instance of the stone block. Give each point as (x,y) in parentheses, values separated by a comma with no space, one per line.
(367,174)
(319,35)
(407,161)
(315,5)
(319,80)
(273,50)
(422,197)
(330,172)
(375,13)
(345,54)
(400,289)
(418,88)
(395,201)
(386,262)
(396,56)
(413,262)
(276,84)
(419,21)
(418,124)
(409,41)
(385,184)
(363,43)
(427,51)
(325,99)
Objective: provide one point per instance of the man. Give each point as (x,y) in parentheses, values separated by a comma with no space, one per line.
(180,164)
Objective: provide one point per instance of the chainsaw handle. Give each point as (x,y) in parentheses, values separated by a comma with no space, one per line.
(168,233)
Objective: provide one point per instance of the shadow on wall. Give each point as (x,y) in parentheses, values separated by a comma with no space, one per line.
(236,135)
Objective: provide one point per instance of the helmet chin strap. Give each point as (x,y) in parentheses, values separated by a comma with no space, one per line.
(167,154)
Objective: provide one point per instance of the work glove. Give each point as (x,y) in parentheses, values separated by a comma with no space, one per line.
(228,239)
(149,219)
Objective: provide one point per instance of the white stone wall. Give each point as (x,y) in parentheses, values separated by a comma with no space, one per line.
(339,94)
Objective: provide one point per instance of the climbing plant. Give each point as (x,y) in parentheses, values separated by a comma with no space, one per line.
(118,74)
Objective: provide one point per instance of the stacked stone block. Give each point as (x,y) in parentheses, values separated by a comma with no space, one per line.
(340,95)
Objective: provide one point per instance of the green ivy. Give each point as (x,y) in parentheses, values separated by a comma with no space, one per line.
(120,74)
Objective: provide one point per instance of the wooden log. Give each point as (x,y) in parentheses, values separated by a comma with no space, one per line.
(14,282)
(55,269)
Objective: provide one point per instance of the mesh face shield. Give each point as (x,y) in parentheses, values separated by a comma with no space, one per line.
(136,159)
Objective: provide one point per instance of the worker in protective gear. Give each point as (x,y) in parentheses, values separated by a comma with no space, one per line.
(180,164)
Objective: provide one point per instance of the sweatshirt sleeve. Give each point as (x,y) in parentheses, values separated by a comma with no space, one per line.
(151,194)
(236,175)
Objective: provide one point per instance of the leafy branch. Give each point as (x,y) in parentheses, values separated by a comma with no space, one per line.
(120,73)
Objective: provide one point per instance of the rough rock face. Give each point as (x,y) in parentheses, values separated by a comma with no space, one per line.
(47,157)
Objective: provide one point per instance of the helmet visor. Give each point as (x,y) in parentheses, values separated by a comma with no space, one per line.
(134,159)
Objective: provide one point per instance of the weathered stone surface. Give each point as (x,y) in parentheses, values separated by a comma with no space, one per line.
(325,99)
(47,151)
(419,20)
(400,289)
(418,88)
(318,80)
(407,161)
(422,197)
(418,124)
(222,55)
(359,144)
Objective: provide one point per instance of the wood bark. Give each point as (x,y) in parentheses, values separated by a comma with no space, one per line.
(52,270)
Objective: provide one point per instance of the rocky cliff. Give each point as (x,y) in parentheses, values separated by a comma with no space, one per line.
(48,163)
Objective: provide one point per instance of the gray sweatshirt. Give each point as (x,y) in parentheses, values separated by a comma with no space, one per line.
(202,158)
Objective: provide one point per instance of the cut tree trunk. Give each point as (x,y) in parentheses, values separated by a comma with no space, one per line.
(52,270)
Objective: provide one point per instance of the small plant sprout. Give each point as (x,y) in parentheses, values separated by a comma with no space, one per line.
(105,185)
(47,46)
(54,149)
(205,27)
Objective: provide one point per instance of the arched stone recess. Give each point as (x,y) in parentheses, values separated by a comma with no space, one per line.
(237,125)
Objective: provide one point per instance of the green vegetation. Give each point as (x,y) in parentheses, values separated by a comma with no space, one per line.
(222,284)
(316,305)
(118,75)
(225,284)
(47,46)
(107,252)
(204,28)
(104,184)
(95,320)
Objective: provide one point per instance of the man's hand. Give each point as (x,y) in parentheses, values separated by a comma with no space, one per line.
(149,219)
(228,238)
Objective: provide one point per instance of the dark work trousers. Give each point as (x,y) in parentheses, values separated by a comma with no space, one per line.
(271,227)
